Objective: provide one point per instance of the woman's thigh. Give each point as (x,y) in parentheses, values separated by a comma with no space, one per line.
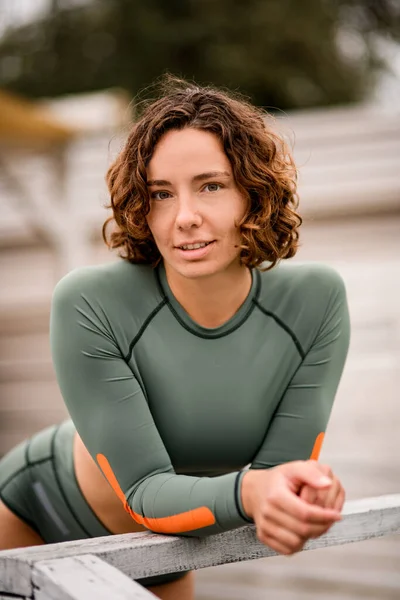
(35,508)
(14,533)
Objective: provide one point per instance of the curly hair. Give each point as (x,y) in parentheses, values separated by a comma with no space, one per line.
(262,165)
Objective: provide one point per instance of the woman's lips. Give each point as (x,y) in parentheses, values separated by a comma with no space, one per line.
(197,253)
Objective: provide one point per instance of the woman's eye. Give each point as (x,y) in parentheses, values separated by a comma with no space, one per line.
(214,187)
(160,195)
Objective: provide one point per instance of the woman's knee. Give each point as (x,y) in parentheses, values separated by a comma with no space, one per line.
(14,532)
(182,588)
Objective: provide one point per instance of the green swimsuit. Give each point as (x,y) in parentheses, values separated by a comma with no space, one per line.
(173,412)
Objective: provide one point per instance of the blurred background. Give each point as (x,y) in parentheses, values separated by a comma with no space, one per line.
(70,71)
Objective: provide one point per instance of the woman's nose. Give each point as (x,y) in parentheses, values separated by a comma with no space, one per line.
(187,214)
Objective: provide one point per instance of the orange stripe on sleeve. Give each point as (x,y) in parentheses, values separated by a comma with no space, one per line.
(317,446)
(187,521)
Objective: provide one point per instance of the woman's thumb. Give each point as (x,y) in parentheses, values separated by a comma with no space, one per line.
(308,473)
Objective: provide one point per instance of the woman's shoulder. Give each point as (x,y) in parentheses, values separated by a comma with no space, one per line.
(116,283)
(302,280)
(302,296)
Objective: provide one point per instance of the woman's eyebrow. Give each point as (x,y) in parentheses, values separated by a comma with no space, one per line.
(210,174)
(200,177)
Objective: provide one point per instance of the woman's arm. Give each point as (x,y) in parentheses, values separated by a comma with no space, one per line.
(281,498)
(299,423)
(112,416)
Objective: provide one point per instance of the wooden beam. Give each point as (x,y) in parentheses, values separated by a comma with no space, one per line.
(84,578)
(25,122)
(146,554)
(55,222)
(73,246)
(39,214)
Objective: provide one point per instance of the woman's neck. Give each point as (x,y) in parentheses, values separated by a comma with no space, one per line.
(211,301)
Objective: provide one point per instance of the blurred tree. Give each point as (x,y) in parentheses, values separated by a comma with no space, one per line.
(283,54)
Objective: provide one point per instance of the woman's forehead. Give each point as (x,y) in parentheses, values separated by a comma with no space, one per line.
(188,151)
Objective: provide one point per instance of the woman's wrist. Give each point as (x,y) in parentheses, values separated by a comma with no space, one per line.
(247,493)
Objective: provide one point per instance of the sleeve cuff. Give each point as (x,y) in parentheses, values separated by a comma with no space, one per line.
(238,497)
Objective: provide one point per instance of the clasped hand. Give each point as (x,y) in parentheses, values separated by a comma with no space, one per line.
(292,503)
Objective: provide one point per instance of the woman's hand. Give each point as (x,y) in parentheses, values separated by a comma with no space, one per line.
(284,520)
(331,497)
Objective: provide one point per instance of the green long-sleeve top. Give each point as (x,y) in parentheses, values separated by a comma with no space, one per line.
(172,411)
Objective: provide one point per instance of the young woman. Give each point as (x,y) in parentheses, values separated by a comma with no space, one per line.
(194,355)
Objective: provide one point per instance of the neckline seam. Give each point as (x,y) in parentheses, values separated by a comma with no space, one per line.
(210,335)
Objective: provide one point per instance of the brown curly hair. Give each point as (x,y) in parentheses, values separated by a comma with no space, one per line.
(262,165)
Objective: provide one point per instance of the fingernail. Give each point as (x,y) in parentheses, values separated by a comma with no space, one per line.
(325,480)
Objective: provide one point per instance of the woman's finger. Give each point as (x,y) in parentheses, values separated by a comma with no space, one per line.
(328,497)
(282,520)
(332,494)
(279,537)
(276,545)
(291,504)
(340,500)
(308,494)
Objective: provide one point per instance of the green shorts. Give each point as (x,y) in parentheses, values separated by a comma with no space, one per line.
(38,484)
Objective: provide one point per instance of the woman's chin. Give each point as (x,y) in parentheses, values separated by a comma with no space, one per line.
(194,269)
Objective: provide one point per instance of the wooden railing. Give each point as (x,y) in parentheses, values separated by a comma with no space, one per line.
(107,567)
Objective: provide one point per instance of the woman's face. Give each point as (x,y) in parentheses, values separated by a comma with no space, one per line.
(194,204)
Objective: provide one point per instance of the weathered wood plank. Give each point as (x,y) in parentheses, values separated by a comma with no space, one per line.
(84,578)
(145,554)
(15,578)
